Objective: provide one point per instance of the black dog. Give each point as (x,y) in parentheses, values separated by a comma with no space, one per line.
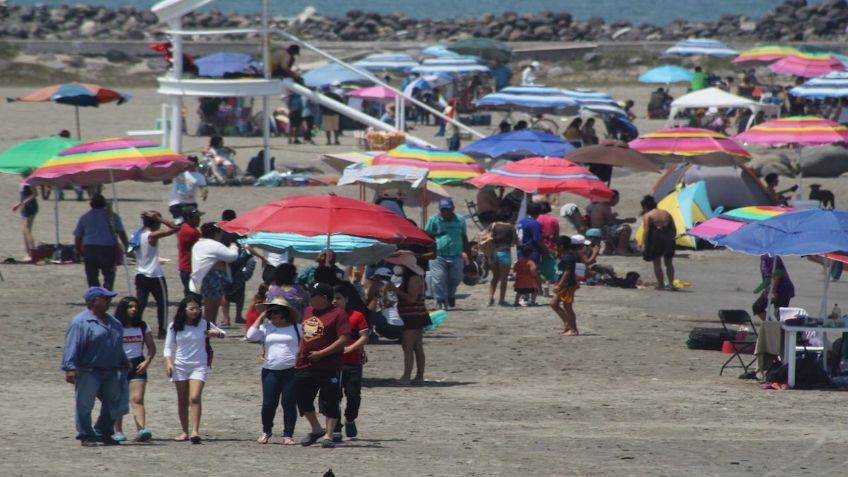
(824,196)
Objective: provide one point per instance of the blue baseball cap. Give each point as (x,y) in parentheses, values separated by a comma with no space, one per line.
(97,292)
(446,203)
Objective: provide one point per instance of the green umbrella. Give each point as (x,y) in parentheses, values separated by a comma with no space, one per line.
(29,155)
(485,48)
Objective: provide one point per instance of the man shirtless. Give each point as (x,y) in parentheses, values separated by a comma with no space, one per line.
(658,241)
(616,231)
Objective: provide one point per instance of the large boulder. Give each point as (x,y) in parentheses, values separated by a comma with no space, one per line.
(824,161)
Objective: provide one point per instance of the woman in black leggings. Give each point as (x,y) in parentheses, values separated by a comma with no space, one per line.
(149,278)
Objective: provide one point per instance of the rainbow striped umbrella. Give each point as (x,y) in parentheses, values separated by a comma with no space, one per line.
(795,131)
(110,160)
(694,145)
(765,54)
(444,166)
(723,224)
(807,65)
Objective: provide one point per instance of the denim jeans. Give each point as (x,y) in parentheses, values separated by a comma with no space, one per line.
(105,385)
(446,273)
(278,389)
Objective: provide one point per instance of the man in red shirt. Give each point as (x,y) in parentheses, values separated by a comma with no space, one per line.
(187,236)
(352,360)
(326,331)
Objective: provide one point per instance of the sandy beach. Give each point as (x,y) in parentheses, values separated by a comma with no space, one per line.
(505,396)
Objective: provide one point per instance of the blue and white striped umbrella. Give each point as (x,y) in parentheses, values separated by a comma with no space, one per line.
(387,62)
(529,103)
(459,60)
(537,90)
(428,82)
(595,101)
(439,51)
(457,70)
(701,46)
(349,249)
(831,85)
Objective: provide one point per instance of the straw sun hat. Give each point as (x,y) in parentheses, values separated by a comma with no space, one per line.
(406,259)
(281,302)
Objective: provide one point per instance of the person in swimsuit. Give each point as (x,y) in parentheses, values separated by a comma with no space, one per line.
(505,237)
(658,241)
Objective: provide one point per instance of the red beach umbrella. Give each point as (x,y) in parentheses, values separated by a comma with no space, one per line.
(312,215)
(546,175)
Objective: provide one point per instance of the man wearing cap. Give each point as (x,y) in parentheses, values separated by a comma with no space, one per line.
(528,74)
(448,230)
(96,242)
(184,190)
(92,361)
(329,117)
(187,236)
(326,331)
(282,63)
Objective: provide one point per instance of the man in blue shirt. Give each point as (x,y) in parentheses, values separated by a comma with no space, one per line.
(530,233)
(96,238)
(93,359)
(445,273)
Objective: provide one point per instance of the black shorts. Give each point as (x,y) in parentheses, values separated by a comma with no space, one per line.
(660,243)
(326,383)
(295,119)
(780,301)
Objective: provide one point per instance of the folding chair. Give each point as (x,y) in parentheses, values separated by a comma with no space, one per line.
(730,319)
(473,212)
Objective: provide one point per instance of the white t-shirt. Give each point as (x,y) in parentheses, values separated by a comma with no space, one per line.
(528,76)
(147,258)
(187,348)
(204,255)
(134,341)
(276,259)
(184,190)
(280,344)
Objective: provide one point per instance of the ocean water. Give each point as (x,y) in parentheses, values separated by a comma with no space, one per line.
(657,12)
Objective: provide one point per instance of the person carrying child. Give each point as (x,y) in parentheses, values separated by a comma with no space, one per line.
(563,300)
(526,282)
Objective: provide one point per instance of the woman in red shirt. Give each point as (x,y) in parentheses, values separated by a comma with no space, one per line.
(354,354)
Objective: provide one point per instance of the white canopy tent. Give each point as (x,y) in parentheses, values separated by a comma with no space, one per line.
(718,98)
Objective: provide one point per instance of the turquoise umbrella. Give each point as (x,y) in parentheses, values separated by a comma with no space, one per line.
(349,249)
(29,155)
(666,74)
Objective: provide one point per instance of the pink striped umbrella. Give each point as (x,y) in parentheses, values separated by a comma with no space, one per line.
(110,160)
(795,131)
(729,222)
(807,66)
(546,175)
(695,145)
(373,93)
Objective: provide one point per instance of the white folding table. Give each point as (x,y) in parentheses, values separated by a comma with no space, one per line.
(790,340)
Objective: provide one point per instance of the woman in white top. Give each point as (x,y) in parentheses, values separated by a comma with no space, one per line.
(187,362)
(278,329)
(136,336)
(149,278)
(210,274)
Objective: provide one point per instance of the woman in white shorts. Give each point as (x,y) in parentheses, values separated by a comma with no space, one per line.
(187,363)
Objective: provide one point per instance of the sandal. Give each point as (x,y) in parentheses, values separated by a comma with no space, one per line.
(288,441)
(196,440)
(327,443)
(181,438)
(311,438)
(264,438)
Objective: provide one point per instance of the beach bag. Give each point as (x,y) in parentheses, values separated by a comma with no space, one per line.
(707,338)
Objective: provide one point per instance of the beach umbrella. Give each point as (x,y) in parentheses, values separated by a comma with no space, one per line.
(438,51)
(218,64)
(614,153)
(387,62)
(694,145)
(486,48)
(795,131)
(108,161)
(546,175)
(77,95)
(765,54)
(312,215)
(534,104)
(831,85)
(701,46)
(595,101)
(349,249)
(332,72)
(807,66)
(452,61)
(28,155)
(373,93)
(427,82)
(341,160)
(666,74)
(519,144)
(687,206)
(455,69)
(444,166)
(731,221)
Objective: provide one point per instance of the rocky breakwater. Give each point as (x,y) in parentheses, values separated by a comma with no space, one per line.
(794,20)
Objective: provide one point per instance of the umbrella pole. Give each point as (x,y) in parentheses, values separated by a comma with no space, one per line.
(826,274)
(57,253)
(112,220)
(79,134)
(424,204)
(768,292)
